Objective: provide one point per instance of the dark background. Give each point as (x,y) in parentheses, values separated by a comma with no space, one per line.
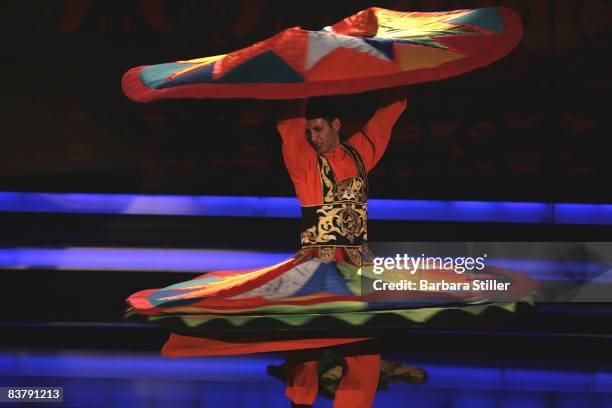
(534,126)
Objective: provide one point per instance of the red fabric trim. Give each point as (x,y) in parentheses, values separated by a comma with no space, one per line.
(504,43)
(187,346)
(139,301)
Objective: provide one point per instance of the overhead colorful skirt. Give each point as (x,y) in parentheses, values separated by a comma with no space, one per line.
(374,48)
(234,312)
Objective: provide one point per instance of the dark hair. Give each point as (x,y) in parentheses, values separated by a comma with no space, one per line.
(321,107)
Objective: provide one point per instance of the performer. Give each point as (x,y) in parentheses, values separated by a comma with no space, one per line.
(330,179)
(373,49)
(324,279)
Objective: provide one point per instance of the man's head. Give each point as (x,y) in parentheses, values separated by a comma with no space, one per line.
(322,125)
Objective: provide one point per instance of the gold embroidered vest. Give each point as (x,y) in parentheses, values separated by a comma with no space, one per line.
(341,221)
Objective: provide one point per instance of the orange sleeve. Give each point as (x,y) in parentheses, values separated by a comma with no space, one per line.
(373,139)
(299,156)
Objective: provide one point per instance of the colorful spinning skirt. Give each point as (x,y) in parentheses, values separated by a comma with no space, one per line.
(305,302)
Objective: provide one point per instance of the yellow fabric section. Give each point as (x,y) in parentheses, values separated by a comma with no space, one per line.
(352,277)
(206,289)
(411,56)
(198,63)
(414,26)
(203,60)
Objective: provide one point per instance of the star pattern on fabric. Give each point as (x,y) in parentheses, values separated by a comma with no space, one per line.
(322,43)
(372,49)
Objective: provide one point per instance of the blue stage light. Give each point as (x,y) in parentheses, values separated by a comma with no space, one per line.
(286,207)
(118,378)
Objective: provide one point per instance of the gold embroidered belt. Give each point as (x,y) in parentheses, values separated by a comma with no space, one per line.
(335,224)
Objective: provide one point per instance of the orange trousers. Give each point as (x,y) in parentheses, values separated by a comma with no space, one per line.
(357,386)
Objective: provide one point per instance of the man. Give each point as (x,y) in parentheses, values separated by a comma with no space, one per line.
(322,279)
(327,173)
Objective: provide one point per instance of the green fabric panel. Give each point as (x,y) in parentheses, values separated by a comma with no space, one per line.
(154,75)
(352,276)
(193,321)
(156,317)
(295,320)
(355,318)
(238,320)
(264,68)
(418,315)
(327,307)
(487,18)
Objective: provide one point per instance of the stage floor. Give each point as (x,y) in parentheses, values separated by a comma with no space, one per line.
(102,378)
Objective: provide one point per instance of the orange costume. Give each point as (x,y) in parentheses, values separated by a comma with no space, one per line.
(301,159)
(358,385)
(360,375)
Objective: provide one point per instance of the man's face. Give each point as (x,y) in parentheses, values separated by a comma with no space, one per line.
(322,135)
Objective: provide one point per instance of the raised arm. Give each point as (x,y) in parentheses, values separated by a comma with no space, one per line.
(372,140)
(297,152)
